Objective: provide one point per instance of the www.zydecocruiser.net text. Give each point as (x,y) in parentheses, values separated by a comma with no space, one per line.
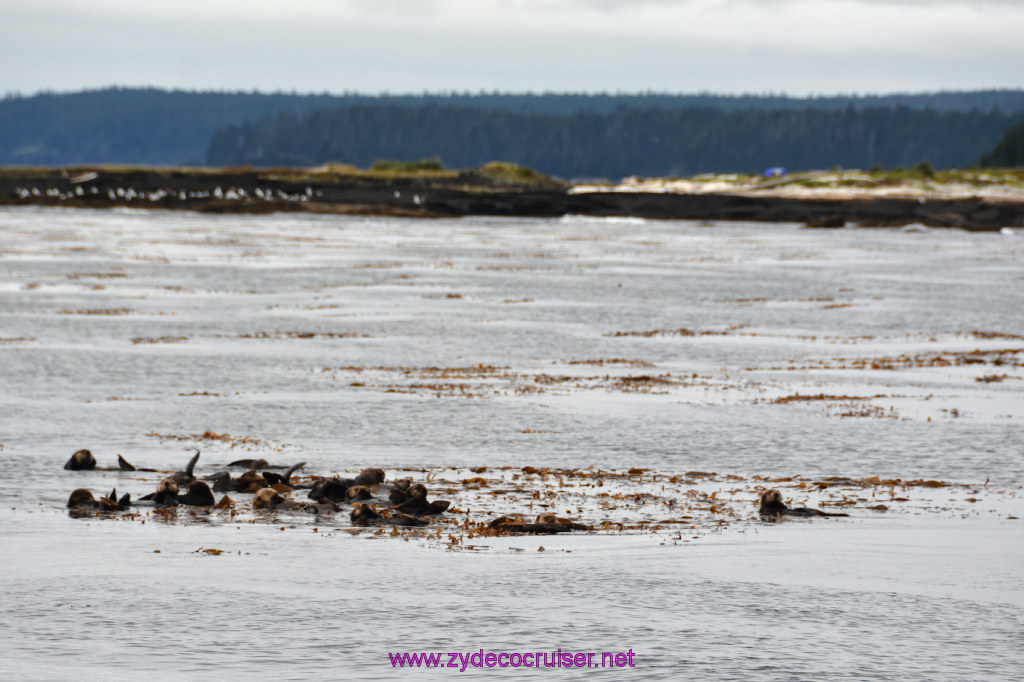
(529,659)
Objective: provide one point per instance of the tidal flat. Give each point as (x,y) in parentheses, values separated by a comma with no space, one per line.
(648,379)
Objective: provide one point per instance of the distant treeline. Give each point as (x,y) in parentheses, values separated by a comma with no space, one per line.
(1009,152)
(673,142)
(569,134)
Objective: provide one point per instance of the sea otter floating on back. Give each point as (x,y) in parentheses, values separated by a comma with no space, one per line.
(772,505)
(81,498)
(83,460)
(80,461)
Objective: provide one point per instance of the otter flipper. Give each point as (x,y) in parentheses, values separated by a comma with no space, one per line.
(291,470)
(124,464)
(192,464)
(285,478)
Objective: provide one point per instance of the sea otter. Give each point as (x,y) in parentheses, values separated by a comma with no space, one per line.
(83,460)
(333,489)
(183,478)
(365,515)
(772,505)
(399,491)
(248,482)
(251,464)
(80,461)
(416,502)
(197,495)
(267,498)
(271,500)
(166,492)
(357,493)
(547,524)
(83,499)
(273,477)
(370,476)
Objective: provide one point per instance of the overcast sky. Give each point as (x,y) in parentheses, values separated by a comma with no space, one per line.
(794,46)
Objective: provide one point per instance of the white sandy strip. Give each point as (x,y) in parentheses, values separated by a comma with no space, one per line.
(831,189)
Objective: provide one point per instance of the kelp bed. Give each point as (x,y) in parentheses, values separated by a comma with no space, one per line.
(675,507)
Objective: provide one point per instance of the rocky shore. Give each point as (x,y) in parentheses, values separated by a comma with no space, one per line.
(477,192)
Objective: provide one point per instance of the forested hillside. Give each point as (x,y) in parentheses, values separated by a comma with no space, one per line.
(623,142)
(1009,151)
(163,127)
(130,126)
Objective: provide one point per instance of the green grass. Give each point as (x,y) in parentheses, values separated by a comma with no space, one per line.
(510,172)
(407,167)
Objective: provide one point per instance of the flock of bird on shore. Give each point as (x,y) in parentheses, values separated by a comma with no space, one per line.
(407,506)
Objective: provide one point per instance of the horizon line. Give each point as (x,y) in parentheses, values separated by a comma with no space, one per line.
(767,94)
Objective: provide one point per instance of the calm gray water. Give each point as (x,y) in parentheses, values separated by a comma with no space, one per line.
(336,340)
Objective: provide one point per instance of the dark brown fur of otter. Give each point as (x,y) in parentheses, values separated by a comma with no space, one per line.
(198,495)
(82,460)
(222,482)
(83,499)
(547,524)
(332,489)
(420,507)
(363,514)
(166,492)
(307,507)
(406,520)
(370,477)
(286,478)
(358,492)
(250,463)
(772,505)
(416,502)
(248,482)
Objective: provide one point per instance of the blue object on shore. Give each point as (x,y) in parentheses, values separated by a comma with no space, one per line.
(776,172)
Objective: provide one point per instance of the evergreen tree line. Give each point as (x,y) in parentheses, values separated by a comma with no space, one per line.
(652,142)
(1009,152)
(169,127)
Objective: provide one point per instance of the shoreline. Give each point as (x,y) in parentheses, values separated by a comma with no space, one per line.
(447,194)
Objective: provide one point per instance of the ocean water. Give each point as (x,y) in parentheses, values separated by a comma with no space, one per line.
(427,347)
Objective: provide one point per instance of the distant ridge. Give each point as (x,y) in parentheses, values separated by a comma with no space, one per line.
(154,126)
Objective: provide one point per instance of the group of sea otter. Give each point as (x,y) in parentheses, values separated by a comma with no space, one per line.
(408,500)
